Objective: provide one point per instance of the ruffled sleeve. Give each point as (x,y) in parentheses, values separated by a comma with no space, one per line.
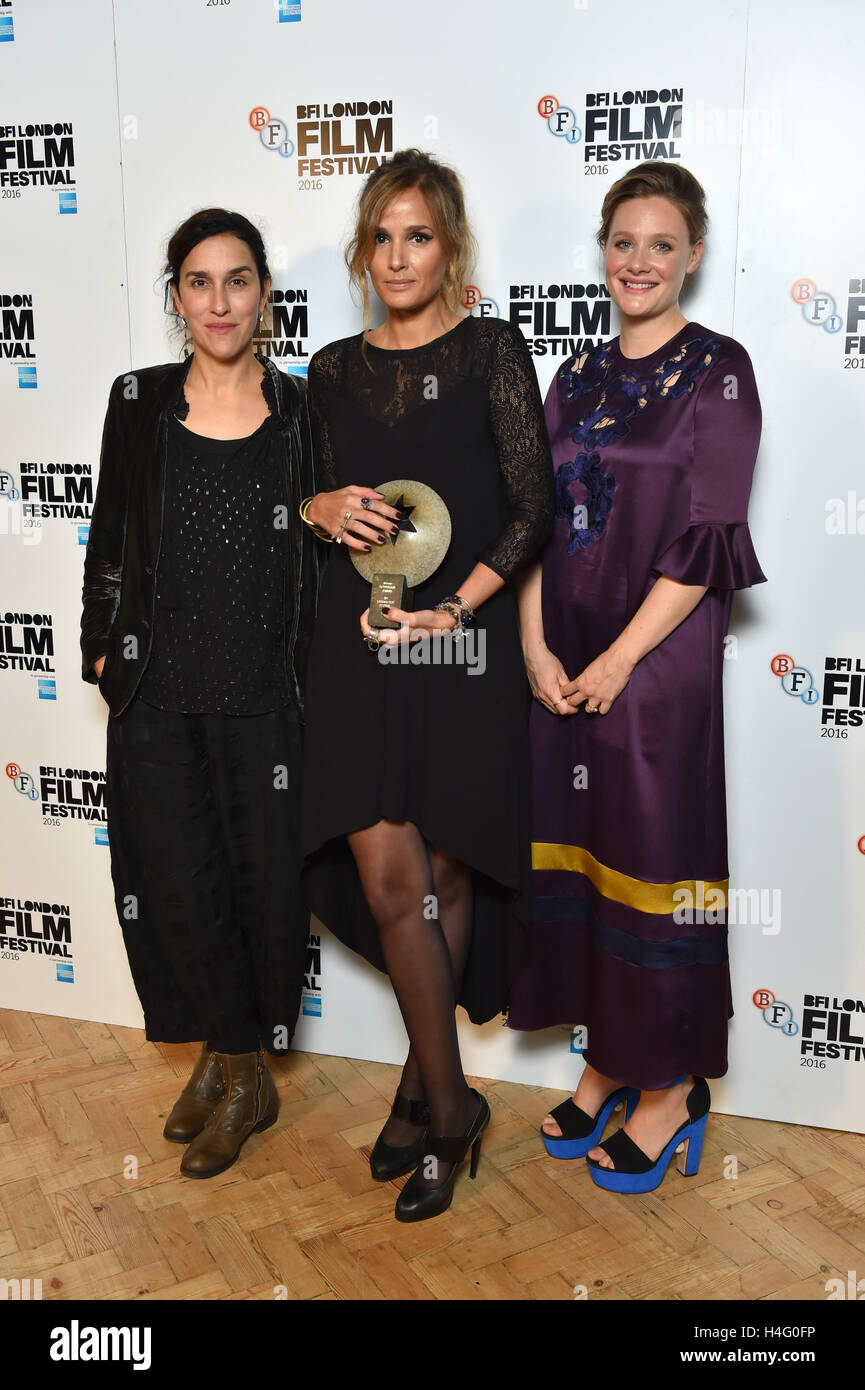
(717,554)
(716,549)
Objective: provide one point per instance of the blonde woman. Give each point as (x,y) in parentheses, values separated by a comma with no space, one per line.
(654,436)
(415,807)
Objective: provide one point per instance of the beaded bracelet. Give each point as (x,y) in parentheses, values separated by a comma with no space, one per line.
(456,612)
(318,530)
(467,613)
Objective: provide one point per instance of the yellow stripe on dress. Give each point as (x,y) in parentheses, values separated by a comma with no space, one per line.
(660,898)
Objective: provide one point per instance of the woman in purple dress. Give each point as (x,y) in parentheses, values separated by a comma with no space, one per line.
(654,438)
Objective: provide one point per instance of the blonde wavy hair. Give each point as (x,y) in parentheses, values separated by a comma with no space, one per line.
(441,187)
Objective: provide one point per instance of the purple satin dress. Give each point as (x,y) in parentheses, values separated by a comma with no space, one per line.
(653,459)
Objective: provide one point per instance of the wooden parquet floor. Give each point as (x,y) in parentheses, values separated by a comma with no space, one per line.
(92,1203)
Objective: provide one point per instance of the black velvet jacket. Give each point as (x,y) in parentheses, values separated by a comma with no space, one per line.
(126,527)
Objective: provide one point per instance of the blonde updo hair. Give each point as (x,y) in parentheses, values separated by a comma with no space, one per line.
(658,178)
(441,187)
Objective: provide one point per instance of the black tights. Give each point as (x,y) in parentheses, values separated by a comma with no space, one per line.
(421,901)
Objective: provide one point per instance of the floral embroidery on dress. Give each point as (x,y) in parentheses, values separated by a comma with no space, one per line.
(620,395)
(594,510)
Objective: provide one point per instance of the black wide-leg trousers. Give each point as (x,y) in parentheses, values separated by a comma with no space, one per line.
(204,829)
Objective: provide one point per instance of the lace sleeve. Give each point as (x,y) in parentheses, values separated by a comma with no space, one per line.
(322,380)
(520,433)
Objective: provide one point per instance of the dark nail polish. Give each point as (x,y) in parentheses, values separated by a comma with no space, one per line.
(367,547)
(394,530)
(385,608)
(380,540)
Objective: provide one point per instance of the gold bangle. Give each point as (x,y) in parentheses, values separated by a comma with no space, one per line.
(317,530)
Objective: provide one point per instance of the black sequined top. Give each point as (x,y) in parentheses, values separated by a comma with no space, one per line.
(219,627)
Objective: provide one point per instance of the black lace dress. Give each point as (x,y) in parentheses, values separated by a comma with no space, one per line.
(444,746)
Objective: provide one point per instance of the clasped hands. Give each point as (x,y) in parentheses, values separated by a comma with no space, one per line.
(599,685)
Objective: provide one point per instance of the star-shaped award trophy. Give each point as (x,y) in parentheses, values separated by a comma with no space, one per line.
(416,551)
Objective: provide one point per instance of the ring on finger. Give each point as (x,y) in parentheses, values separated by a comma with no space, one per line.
(346,519)
(366,503)
(373,639)
(591,709)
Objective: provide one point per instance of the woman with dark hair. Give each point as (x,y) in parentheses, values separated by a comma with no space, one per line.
(199,591)
(416,786)
(654,438)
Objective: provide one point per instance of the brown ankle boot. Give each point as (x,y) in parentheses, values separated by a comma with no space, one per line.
(197,1101)
(250,1104)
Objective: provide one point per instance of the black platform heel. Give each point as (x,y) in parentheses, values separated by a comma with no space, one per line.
(417,1202)
(389,1161)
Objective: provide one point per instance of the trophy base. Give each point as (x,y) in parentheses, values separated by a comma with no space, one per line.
(392,591)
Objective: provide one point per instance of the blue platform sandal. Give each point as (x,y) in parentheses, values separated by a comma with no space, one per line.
(635,1171)
(580,1131)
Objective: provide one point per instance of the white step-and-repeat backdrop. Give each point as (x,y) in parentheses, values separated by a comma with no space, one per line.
(118,120)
